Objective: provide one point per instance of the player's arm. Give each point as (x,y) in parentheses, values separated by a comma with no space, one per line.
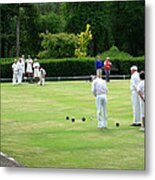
(141,95)
(93,88)
(106,88)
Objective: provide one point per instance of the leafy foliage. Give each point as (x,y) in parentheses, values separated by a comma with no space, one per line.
(51,22)
(115,53)
(118,23)
(58,45)
(83,41)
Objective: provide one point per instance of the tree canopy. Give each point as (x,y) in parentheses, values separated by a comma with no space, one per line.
(113,23)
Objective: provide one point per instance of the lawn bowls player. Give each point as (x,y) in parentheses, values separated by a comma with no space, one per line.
(23,62)
(99,89)
(36,67)
(15,72)
(141,92)
(99,66)
(29,69)
(20,71)
(134,82)
(107,66)
(42,76)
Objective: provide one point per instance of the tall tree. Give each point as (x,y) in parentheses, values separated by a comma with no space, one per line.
(119,23)
(19,32)
(97,15)
(7,36)
(128,24)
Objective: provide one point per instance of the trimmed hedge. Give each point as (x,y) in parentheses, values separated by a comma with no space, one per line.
(76,67)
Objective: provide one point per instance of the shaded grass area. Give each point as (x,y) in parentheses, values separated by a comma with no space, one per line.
(35,132)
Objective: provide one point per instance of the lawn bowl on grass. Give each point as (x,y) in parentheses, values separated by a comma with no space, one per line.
(83,119)
(34,133)
(117,124)
(67,117)
(73,119)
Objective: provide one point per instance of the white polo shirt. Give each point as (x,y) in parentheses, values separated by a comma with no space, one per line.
(99,87)
(135,80)
(15,67)
(141,87)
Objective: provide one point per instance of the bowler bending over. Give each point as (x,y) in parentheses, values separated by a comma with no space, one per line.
(99,89)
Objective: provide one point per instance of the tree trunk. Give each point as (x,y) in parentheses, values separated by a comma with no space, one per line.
(18,33)
(0,34)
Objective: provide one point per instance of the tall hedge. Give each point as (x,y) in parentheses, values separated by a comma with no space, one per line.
(77,67)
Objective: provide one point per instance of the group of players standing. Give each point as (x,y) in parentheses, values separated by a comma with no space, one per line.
(27,69)
(103,65)
(137,87)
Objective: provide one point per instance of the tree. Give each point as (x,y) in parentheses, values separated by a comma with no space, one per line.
(7,29)
(128,24)
(119,23)
(50,22)
(18,29)
(83,41)
(96,14)
(30,43)
(58,45)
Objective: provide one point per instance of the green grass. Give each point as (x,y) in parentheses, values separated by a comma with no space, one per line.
(35,132)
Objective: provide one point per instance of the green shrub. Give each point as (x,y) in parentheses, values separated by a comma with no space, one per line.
(114,53)
(58,45)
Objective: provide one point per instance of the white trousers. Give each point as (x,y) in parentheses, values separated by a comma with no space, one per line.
(20,76)
(142,108)
(15,78)
(136,107)
(99,72)
(36,72)
(101,101)
(41,81)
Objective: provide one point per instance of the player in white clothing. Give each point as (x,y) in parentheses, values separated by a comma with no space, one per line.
(135,80)
(141,92)
(36,67)
(23,62)
(99,89)
(20,71)
(42,76)
(15,72)
(29,69)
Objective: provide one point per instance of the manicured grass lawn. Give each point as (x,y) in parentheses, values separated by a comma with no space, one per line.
(35,132)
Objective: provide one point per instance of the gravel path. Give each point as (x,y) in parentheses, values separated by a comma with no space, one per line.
(6,161)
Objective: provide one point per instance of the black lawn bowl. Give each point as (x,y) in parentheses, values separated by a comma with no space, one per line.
(67,117)
(73,119)
(83,119)
(117,124)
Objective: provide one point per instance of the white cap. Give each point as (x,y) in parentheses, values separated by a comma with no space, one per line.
(134,68)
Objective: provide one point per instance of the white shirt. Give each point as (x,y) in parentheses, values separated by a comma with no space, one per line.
(141,87)
(99,87)
(135,80)
(42,72)
(29,65)
(15,67)
(36,65)
(20,66)
(23,62)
